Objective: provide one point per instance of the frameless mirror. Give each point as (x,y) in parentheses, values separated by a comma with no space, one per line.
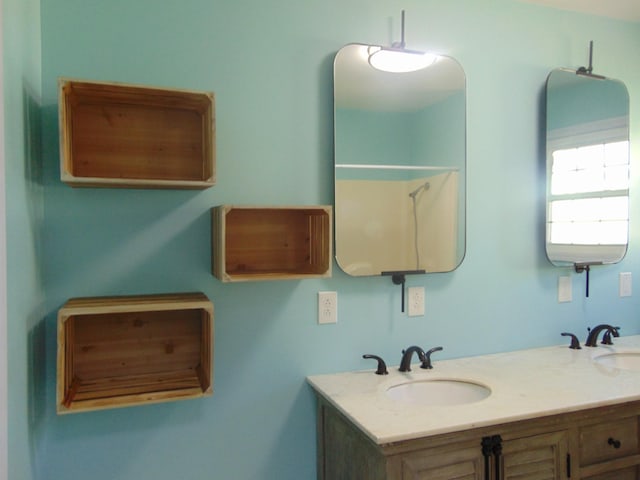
(587,136)
(400,158)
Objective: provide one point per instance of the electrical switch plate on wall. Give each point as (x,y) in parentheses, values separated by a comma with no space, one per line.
(327,307)
(564,289)
(625,284)
(416,301)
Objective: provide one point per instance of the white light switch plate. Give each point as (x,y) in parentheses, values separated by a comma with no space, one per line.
(625,284)
(565,293)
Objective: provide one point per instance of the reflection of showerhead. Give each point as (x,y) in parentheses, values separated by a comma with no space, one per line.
(424,186)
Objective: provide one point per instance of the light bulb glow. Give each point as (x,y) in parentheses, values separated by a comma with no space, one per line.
(400,60)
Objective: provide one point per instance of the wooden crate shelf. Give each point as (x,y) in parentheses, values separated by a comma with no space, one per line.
(131,350)
(270,243)
(119,135)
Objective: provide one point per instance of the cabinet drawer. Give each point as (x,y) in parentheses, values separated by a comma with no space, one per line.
(626,474)
(608,440)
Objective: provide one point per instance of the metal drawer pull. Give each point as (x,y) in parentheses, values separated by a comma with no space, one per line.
(614,443)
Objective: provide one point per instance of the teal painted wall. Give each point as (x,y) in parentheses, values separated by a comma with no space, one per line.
(270,64)
(398,138)
(446,123)
(24,225)
(374,138)
(607,99)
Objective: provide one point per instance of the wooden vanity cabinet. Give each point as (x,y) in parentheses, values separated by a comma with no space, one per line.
(625,474)
(541,456)
(609,449)
(460,460)
(538,456)
(569,446)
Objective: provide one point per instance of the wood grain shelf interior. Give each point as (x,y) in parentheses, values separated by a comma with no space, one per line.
(268,243)
(114,353)
(135,136)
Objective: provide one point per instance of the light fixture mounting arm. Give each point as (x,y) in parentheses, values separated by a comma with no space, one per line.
(402,43)
(588,71)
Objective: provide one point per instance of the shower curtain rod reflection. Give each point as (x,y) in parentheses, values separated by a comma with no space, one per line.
(396,167)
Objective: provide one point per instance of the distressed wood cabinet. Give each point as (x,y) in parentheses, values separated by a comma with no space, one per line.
(593,444)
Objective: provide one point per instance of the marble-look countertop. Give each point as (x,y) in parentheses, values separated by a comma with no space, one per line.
(524,384)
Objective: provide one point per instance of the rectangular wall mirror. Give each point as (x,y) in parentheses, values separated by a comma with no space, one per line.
(400,166)
(587,152)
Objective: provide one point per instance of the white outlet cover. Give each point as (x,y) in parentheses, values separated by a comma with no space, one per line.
(416,301)
(327,307)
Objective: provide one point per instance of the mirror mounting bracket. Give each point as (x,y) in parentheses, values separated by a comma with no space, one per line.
(399,277)
(585,267)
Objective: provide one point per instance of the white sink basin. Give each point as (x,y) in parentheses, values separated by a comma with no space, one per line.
(622,360)
(438,392)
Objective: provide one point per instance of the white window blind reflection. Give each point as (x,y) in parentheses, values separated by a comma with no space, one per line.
(589,195)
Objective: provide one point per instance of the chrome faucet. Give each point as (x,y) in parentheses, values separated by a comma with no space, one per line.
(592,338)
(405,363)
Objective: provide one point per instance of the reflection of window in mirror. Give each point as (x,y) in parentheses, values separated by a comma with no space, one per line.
(589,202)
(587,169)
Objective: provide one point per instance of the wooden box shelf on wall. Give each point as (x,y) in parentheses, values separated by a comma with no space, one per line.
(270,243)
(131,350)
(118,135)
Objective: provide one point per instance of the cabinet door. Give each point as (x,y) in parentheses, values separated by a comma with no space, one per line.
(343,452)
(454,461)
(539,457)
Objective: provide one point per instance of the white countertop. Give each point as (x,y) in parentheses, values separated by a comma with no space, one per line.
(524,384)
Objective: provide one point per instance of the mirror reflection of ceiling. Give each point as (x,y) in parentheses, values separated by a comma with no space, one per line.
(364,88)
(621,9)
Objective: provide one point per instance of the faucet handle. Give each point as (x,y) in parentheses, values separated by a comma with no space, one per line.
(382,367)
(606,338)
(426,363)
(575,343)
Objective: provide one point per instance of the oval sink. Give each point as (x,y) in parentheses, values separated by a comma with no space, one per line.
(622,360)
(438,392)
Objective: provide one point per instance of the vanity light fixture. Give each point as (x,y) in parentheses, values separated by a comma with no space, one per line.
(398,59)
